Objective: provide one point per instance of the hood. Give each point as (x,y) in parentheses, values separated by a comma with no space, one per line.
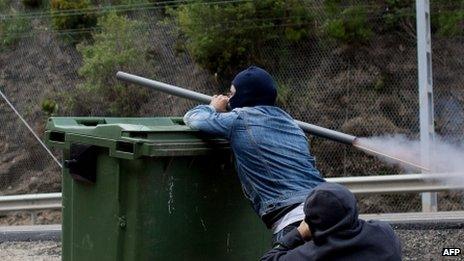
(331,210)
(254,86)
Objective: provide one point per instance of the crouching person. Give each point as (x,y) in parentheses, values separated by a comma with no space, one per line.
(332,230)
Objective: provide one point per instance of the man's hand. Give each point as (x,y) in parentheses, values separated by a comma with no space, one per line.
(219,102)
(304,231)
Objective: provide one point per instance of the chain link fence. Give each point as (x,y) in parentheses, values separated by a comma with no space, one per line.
(365,88)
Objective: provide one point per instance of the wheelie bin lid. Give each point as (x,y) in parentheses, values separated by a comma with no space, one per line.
(132,138)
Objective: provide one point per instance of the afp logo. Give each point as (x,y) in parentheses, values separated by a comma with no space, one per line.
(451,251)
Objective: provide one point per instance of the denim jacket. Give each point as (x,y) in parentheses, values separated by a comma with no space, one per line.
(272,155)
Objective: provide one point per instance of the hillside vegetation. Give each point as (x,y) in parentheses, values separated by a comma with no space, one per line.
(345,65)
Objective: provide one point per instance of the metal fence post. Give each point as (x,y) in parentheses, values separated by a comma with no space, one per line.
(424,60)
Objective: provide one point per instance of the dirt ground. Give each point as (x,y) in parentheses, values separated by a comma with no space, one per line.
(26,218)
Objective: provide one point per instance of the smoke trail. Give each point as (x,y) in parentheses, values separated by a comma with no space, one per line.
(444,157)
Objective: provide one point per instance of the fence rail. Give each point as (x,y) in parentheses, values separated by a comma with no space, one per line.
(358,185)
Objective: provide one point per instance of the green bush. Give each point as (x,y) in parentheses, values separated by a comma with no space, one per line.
(449,23)
(452,24)
(12,28)
(74,17)
(32,3)
(224,37)
(120,45)
(399,15)
(447,17)
(49,107)
(4,5)
(347,24)
(120,2)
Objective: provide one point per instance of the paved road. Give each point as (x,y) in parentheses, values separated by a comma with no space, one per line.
(422,237)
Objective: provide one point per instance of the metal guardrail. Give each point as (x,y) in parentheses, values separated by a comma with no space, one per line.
(30,202)
(401,183)
(358,185)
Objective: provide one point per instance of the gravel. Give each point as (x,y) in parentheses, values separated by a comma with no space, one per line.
(25,251)
(418,242)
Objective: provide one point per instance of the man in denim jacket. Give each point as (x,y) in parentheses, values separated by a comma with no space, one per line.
(272,155)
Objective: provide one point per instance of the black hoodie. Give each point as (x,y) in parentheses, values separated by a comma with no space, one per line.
(337,233)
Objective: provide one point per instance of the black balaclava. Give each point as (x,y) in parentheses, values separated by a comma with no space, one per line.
(254,86)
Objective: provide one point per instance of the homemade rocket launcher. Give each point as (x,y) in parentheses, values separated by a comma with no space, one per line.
(309,128)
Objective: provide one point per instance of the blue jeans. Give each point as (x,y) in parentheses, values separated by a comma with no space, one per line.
(279,235)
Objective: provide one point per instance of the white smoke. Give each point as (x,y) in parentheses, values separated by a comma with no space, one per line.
(445,158)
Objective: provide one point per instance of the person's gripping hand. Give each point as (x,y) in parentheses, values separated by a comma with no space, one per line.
(219,102)
(304,231)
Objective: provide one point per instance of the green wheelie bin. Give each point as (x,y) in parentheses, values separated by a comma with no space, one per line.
(151,189)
